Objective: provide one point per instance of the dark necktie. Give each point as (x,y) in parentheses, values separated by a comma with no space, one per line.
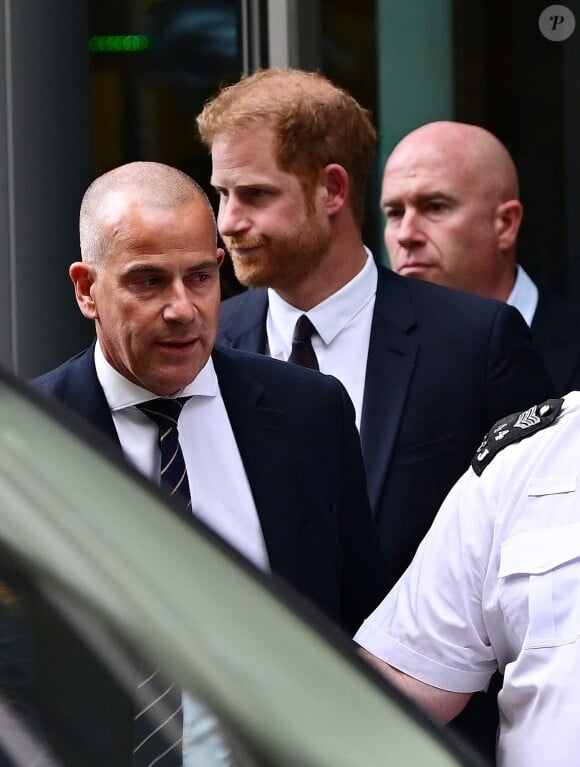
(158,727)
(165,413)
(302,352)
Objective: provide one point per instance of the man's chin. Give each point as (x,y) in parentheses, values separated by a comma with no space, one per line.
(252,278)
(420,272)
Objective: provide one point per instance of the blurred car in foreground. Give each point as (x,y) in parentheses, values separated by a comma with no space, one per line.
(98,548)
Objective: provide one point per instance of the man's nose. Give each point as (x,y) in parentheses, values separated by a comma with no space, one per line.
(409,233)
(232,217)
(179,306)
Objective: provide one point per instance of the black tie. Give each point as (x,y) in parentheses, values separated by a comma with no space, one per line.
(158,728)
(302,352)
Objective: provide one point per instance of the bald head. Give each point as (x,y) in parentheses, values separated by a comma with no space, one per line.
(148,184)
(450,198)
(469,150)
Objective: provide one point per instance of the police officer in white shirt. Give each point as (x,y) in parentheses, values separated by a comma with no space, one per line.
(494,585)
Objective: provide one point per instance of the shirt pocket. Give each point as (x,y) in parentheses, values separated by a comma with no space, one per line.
(540,585)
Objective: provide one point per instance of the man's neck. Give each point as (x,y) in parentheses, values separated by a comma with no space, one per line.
(505,285)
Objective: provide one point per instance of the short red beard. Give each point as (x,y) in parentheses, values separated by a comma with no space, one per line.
(285,261)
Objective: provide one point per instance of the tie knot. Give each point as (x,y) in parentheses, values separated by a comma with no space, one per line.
(164,410)
(303,330)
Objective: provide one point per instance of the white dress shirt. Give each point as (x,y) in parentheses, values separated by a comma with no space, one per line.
(220,496)
(524,295)
(220,492)
(343,329)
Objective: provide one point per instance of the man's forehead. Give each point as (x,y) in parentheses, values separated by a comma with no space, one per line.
(420,157)
(428,171)
(259,169)
(245,168)
(242,177)
(420,182)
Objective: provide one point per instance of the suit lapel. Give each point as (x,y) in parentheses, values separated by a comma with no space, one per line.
(84,394)
(246,329)
(390,364)
(261,436)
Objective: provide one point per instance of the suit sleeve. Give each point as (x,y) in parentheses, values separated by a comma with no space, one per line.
(517,377)
(366,574)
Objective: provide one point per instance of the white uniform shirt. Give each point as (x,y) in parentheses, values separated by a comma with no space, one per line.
(496,584)
(343,330)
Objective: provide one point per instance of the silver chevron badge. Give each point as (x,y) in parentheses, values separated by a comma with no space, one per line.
(527,418)
(514,428)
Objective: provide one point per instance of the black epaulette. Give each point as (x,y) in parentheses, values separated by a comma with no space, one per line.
(513,428)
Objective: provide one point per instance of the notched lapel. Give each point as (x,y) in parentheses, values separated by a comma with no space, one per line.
(85,395)
(391,360)
(265,451)
(243,322)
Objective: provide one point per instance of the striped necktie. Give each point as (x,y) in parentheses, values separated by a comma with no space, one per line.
(158,729)
(165,414)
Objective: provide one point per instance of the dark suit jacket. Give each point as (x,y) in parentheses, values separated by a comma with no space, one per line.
(442,367)
(301,452)
(298,442)
(556,333)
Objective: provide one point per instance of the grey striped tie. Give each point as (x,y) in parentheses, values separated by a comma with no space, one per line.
(158,730)
(158,727)
(165,413)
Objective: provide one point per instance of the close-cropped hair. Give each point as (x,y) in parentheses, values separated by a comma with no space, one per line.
(315,123)
(151,184)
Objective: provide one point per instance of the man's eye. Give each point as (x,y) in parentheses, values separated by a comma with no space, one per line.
(195,279)
(393,213)
(147,282)
(255,193)
(436,207)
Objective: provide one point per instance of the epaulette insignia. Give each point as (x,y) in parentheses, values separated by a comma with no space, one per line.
(514,428)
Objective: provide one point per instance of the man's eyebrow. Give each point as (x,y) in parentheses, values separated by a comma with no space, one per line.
(245,184)
(202,265)
(391,202)
(142,269)
(145,268)
(420,198)
(435,194)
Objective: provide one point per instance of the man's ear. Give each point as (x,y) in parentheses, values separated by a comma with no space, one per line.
(507,223)
(336,185)
(83,278)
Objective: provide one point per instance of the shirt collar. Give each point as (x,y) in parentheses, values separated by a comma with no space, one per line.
(122,393)
(335,312)
(524,295)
